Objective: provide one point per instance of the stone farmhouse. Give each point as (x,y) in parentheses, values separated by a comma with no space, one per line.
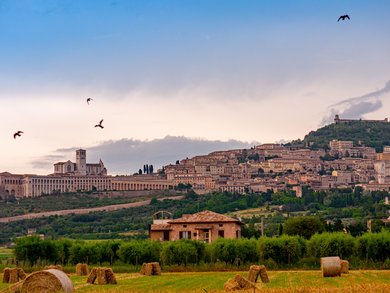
(204,226)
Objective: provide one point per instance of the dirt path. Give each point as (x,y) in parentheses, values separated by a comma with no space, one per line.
(83,211)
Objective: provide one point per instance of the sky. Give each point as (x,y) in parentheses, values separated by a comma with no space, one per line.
(215,74)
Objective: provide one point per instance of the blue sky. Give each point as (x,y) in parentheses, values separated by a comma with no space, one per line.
(215,70)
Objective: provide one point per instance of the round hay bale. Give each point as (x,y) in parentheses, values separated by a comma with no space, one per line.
(48,281)
(344,266)
(81,269)
(331,266)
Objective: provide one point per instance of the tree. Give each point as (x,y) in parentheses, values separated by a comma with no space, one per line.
(139,172)
(151,169)
(177,162)
(303,226)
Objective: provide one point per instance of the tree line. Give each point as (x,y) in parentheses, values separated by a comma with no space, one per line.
(367,250)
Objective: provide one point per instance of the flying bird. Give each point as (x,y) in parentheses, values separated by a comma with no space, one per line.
(100,124)
(88,100)
(18,133)
(343,17)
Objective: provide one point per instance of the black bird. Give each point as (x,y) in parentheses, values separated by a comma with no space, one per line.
(100,124)
(18,133)
(88,100)
(343,17)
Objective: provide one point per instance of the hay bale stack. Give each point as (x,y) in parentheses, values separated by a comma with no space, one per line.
(263,274)
(110,276)
(13,275)
(150,269)
(103,275)
(54,267)
(147,269)
(15,288)
(143,268)
(331,266)
(244,283)
(156,268)
(344,266)
(47,281)
(231,285)
(92,276)
(6,275)
(253,274)
(81,269)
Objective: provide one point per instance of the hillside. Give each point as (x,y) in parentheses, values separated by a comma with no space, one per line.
(362,133)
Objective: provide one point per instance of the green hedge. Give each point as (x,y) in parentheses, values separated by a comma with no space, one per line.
(368,250)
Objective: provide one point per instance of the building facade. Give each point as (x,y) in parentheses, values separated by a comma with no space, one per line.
(204,226)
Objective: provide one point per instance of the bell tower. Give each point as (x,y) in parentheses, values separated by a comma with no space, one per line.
(81,162)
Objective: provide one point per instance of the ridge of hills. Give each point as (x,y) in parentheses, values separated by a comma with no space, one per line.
(368,133)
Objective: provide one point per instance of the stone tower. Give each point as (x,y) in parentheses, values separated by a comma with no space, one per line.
(81,162)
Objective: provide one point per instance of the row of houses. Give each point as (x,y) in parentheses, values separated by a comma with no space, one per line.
(260,168)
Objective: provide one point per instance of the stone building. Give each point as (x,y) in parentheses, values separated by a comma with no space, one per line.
(204,226)
(80,167)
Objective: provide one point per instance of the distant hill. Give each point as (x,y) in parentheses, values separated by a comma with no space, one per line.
(362,133)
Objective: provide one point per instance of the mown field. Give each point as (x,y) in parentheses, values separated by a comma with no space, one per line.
(280,281)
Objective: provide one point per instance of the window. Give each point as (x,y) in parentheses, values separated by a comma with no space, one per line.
(221,233)
(184,226)
(184,235)
(220,225)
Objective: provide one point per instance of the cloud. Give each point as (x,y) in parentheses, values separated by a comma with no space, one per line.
(356,107)
(126,156)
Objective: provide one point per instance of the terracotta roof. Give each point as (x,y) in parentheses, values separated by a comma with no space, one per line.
(159,227)
(204,217)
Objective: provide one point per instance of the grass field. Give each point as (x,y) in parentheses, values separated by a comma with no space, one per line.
(280,281)
(5,253)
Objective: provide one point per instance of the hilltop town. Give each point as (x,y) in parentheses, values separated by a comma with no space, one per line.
(258,169)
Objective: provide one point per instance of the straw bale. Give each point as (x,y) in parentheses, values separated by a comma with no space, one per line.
(331,266)
(149,269)
(231,285)
(92,276)
(143,268)
(6,273)
(110,276)
(253,273)
(243,282)
(156,268)
(13,275)
(101,276)
(54,267)
(263,274)
(344,266)
(47,281)
(81,269)
(21,274)
(15,288)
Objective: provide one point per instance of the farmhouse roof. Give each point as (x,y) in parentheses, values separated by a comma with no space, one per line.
(204,217)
